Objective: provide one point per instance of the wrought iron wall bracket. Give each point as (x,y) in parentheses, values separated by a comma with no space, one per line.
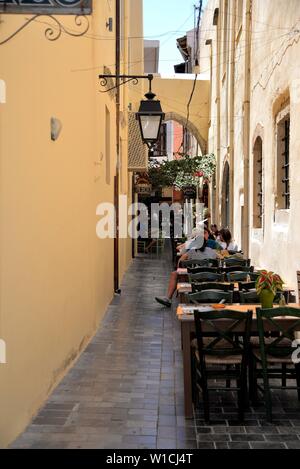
(54,31)
(134,79)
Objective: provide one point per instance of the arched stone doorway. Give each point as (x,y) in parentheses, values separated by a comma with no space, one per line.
(225,213)
(173,116)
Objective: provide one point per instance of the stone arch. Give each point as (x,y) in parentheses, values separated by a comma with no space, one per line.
(173,116)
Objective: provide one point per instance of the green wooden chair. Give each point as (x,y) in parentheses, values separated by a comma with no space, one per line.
(197,270)
(275,354)
(214,262)
(206,277)
(232,261)
(253,276)
(199,286)
(195,263)
(210,296)
(234,268)
(219,356)
(237,276)
(246,286)
(249,297)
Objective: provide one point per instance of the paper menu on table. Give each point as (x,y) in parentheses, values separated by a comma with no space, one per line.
(188,310)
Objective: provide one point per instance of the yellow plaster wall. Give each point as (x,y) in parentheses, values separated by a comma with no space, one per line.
(56,276)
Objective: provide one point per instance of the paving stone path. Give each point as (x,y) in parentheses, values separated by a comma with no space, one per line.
(126,390)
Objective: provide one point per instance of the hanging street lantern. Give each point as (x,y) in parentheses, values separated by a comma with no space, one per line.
(150,117)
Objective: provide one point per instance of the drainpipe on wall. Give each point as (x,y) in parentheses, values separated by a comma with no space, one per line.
(218,84)
(231,117)
(116,179)
(246,130)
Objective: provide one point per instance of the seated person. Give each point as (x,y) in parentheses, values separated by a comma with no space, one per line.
(196,241)
(204,252)
(214,231)
(225,240)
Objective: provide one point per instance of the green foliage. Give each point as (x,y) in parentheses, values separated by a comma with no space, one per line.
(268,281)
(183,172)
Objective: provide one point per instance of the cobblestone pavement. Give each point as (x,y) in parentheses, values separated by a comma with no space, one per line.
(126,390)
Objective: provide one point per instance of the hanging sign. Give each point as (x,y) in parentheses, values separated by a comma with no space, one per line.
(190,192)
(48,7)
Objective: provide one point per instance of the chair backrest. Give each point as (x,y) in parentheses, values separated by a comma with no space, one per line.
(210,296)
(237,276)
(220,327)
(197,270)
(191,262)
(246,286)
(249,297)
(214,262)
(206,277)
(199,286)
(253,276)
(298,280)
(230,261)
(234,268)
(273,320)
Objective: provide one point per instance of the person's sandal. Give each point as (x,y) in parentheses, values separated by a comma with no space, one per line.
(164,301)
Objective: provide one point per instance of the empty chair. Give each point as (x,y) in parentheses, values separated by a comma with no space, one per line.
(274,352)
(193,262)
(235,268)
(219,356)
(230,261)
(197,270)
(253,275)
(249,297)
(246,286)
(214,262)
(199,286)
(210,296)
(206,277)
(237,276)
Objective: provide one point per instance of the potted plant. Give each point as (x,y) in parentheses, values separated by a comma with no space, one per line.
(267,285)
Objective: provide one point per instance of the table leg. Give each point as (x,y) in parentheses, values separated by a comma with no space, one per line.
(187,376)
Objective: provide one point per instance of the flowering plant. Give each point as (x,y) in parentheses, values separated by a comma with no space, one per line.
(183,172)
(268,281)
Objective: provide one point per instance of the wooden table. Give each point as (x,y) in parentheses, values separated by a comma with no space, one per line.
(188,327)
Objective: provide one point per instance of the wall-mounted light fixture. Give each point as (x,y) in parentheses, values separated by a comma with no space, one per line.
(109,24)
(56,127)
(149,115)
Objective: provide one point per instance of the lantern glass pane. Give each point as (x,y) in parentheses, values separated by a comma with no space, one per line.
(150,127)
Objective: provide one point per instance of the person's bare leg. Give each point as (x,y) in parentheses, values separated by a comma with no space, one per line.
(152,243)
(167,301)
(172,284)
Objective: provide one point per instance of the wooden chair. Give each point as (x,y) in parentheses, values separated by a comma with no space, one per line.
(210,296)
(246,286)
(214,262)
(249,297)
(253,276)
(232,261)
(206,277)
(199,286)
(274,352)
(197,270)
(233,268)
(237,276)
(219,356)
(195,263)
